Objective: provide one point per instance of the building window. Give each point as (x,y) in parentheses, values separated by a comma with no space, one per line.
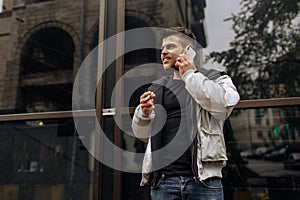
(46,72)
(259,134)
(50,49)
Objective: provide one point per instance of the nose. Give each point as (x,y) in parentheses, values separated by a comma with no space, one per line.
(164,51)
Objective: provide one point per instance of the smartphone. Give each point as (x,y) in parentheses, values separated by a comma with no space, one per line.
(190,52)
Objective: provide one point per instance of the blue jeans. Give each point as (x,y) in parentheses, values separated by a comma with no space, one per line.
(186,188)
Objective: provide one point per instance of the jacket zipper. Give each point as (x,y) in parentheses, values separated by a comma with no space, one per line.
(193,160)
(194,143)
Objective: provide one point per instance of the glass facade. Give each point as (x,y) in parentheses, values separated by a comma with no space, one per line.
(44,44)
(263,145)
(43,159)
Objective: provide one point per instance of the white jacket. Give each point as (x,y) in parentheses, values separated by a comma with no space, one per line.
(215,100)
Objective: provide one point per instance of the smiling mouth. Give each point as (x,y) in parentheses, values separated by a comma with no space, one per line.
(165,60)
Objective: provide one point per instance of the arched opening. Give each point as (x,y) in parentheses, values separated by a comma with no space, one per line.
(46,71)
(47,50)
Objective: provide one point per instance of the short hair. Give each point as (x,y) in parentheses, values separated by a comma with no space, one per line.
(180,32)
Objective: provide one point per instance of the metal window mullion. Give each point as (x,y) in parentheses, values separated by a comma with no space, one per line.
(101,37)
(118,101)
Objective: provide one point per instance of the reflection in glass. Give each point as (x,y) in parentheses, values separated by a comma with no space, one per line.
(43,43)
(263,150)
(44,159)
(263,55)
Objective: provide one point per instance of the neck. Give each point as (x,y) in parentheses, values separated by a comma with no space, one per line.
(176,75)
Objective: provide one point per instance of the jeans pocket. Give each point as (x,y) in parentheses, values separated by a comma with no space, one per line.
(212,183)
(160,181)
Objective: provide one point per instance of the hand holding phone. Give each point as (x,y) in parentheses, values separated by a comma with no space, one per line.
(185,60)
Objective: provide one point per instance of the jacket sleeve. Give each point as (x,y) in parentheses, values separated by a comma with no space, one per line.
(215,96)
(141,124)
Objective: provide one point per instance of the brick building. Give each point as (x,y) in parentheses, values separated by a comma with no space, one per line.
(43,39)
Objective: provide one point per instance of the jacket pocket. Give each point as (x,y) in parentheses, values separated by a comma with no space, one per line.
(212,146)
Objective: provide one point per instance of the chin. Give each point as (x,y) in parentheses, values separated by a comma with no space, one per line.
(167,67)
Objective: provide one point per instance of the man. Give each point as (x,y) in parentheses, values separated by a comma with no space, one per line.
(191,107)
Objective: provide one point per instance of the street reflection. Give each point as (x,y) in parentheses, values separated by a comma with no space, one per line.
(264,154)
